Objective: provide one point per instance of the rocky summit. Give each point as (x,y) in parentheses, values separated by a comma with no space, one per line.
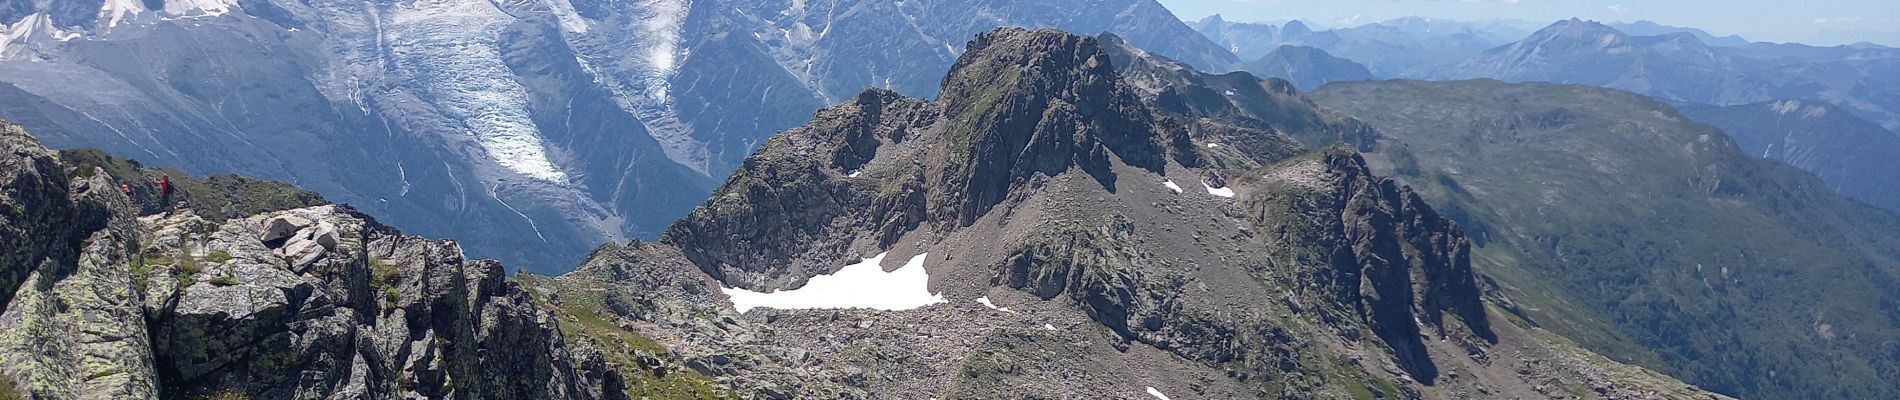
(1090,222)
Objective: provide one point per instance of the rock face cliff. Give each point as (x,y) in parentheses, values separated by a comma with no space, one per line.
(1079,233)
(318,302)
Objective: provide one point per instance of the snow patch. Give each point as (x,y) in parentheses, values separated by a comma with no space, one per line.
(1222,192)
(116,10)
(571,21)
(450,50)
(24,30)
(1157,393)
(1171,186)
(1785,106)
(854,173)
(661,21)
(1814,112)
(20,30)
(1048,327)
(861,285)
(985,300)
(1213,145)
(206,8)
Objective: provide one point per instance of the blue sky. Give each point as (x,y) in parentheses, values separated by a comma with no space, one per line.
(1825,22)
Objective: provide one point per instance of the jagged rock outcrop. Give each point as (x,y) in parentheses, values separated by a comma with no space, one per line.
(1190,253)
(72,326)
(318,302)
(1048,102)
(325,302)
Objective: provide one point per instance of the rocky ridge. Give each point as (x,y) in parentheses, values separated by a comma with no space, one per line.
(317,302)
(1088,243)
(1083,246)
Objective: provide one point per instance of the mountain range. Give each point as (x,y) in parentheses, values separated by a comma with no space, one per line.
(1680,67)
(854,199)
(1308,68)
(1048,215)
(1410,47)
(582,122)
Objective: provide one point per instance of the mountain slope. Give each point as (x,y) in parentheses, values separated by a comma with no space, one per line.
(531,131)
(1041,202)
(1852,155)
(1608,218)
(1679,67)
(1039,193)
(1308,68)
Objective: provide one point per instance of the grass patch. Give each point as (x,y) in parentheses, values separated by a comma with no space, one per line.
(218,257)
(10,390)
(385,276)
(224,281)
(227,394)
(215,198)
(141,273)
(188,268)
(582,321)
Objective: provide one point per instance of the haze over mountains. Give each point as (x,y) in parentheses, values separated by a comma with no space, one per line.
(1415,208)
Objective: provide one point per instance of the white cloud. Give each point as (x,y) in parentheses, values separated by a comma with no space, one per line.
(1619,9)
(1837,20)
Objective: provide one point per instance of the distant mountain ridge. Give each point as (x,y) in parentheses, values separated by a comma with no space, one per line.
(1680,67)
(1648,28)
(1411,47)
(1854,156)
(1308,68)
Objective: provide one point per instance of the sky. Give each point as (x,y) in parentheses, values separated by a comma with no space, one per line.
(1819,22)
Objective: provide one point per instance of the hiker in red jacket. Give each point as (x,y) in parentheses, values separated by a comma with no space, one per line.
(164,193)
(125,189)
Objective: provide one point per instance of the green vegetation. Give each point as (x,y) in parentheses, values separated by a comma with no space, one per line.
(218,257)
(224,280)
(214,198)
(968,121)
(226,395)
(583,319)
(10,390)
(141,273)
(188,268)
(385,277)
(1611,220)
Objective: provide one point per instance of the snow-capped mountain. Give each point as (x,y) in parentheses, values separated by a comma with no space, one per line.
(532,130)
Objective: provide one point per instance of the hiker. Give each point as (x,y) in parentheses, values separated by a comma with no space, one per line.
(125,189)
(164,193)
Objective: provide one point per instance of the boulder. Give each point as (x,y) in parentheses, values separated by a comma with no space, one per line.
(282,227)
